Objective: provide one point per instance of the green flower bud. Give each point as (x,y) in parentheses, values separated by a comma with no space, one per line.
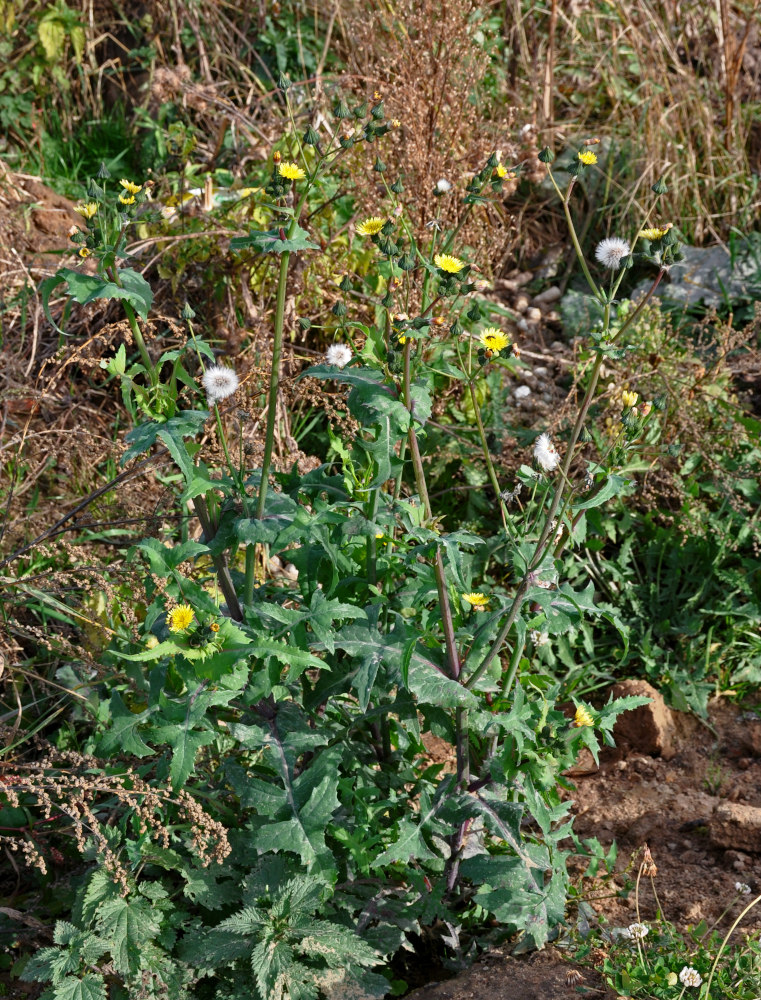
(188,312)
(420,322)
(103,173)
(407,262)
(304,322)
(670,239)
(379,165)
(345,143)
(397,187)
(341,110)
(361,110)
(339,309)
(474,313)
(585,437)
(660,186)
(388,227)
(377,111)
(387,301)
(455,329)
(660,402)
(94,190)
(311,138)
(546,155)
(345,283)
(492,162)
(388,246)
(284,83)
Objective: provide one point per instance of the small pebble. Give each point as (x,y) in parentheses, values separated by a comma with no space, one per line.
(521,303)
(533,315)
(522,391)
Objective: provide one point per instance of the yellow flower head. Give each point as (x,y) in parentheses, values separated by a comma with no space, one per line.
(655,233)
(494,339)
(477,601)
(127,199)
(500,170)
(629,398)
(180,617)
(371,226)
(582,717)
(587,158)
(84,252)
(291,171)
(450,264)
(214,626)
(129,186)
(87,210)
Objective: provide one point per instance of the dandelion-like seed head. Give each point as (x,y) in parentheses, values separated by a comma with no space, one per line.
(477,601)
(88,210)
(583,717)
(546,453)
(611,252)
(180,618)
(743,888)
(587,157)
(690,977)
(338,355)
(219,382)
(443,185)
(291,171)
(494,339)
(452,265)
(129,186)
(371,226)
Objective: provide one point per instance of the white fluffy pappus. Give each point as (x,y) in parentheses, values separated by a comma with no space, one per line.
(611,252)
(546,453)
(338,355)
(219,382)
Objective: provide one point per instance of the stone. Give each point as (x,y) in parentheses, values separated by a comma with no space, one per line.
(736,826)
(648,729)
(551,294)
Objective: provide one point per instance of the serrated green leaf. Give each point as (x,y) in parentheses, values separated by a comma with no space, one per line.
(91,987)
(127,925)
(122,735)
(187,423)
(275,241)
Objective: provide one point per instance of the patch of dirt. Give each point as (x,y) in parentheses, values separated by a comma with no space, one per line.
(698,812)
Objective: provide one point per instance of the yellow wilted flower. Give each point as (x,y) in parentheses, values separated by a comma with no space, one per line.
(582,717)
(629,398)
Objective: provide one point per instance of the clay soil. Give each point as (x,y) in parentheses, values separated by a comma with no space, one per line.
(636,798)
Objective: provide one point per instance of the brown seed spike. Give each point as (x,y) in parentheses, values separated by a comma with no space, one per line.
(573,978)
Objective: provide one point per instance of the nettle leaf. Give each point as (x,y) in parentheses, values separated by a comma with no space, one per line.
(127,925)
(275,240)
(91,987)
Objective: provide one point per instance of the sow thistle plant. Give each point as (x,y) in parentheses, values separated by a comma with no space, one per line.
(298,708)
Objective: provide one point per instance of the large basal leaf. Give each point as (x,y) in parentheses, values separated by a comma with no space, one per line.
(90,987)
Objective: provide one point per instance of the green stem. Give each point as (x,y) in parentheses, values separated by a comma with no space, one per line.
(220,566)
(277,348)
(487,456)
(728,935)
(138,338)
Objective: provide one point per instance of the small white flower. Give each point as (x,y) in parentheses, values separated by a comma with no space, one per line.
(743,888)
(219,382)
(690,977)
(338,355)
(443,185)
(545,453)
(538,638)
(637,932)
(611,252)
(522,391)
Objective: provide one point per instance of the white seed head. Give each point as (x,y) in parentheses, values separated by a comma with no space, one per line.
(638,931)
(219,382)
(611,252)
(545,453)
(443,185)
(338,355)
